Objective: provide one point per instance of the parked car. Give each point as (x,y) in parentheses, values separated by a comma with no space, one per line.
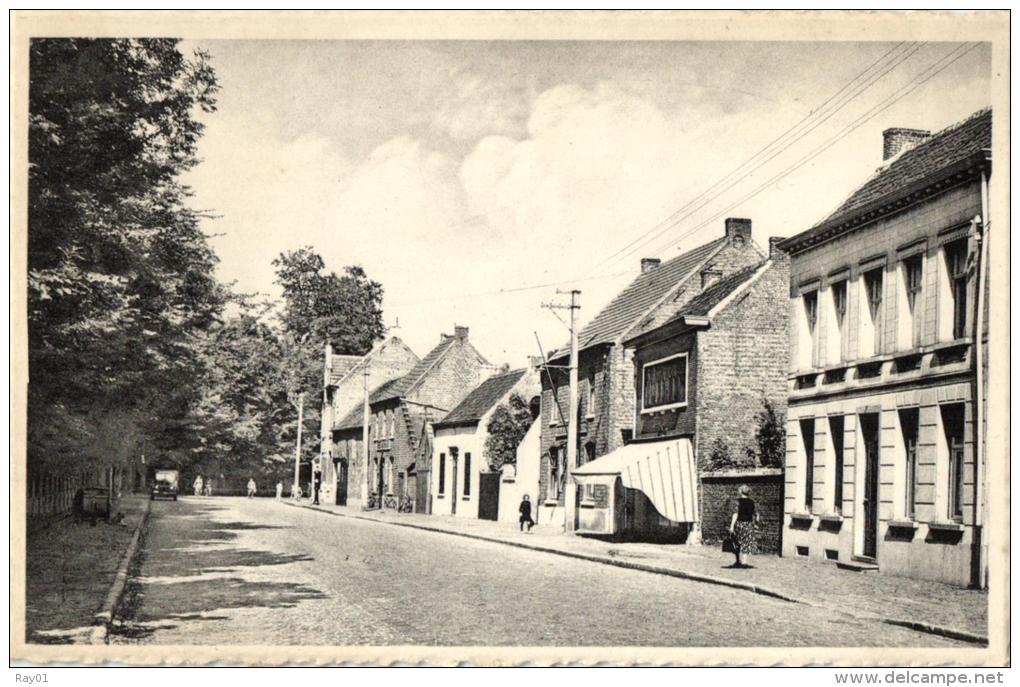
(165,485)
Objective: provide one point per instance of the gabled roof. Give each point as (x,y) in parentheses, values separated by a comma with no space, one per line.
(404,385)
(643,293)
(945,150)
(344,366)
(476,404)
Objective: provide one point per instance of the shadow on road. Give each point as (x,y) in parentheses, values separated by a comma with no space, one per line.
(183,574)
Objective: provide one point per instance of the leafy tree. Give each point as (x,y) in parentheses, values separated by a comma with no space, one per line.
(120,275)
(770,434)
(507,426)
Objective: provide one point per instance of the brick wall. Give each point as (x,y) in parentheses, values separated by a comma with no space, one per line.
(742,359)
(719,502)
(455,375)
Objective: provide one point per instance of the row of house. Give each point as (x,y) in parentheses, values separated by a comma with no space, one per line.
(860,342)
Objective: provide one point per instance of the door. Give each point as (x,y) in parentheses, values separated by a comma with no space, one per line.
(488,496)
(453,490)
(869,435)
(341,483)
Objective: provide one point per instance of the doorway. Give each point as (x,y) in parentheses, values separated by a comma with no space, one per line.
(869,437)
(341,483)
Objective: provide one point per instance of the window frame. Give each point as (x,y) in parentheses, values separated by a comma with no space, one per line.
(957,458)
(910,419)
(875,298)
(466,491)
(838,459)
(644,383)
(809,461)
(442,475)
(956,271)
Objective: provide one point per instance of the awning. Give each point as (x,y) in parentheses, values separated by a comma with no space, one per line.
(663,470)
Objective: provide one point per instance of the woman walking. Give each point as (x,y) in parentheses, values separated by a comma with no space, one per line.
(742,524)
(525,510)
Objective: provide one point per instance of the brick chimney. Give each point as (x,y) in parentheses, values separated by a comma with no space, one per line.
(460,333)
(649,264)
(896,140)
(738,228)
(774,249)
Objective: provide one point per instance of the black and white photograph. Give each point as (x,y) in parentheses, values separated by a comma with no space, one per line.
(510,338)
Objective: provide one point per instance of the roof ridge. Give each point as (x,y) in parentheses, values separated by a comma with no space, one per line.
(756,273)
(448,343)
(671,290)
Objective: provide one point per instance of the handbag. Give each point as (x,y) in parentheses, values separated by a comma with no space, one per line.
(727,544)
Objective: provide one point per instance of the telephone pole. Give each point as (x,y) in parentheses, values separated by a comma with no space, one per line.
(297,448)
(569,488)
(366,474)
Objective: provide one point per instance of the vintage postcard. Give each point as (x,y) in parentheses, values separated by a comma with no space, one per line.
(510,338)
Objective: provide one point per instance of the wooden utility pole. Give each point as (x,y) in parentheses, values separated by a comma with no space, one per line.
(366,473)
(297,448)
(569,488)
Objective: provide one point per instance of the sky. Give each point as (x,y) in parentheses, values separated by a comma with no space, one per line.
(477,179)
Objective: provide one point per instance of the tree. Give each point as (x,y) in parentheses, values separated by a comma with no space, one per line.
(120,275)
(319,306)
(507,426)
(770,434)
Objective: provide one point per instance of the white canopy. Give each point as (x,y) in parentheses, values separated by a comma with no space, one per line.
(663,470)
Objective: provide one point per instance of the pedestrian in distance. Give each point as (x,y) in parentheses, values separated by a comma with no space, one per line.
(198,485)
(251,487)
(525,511)
(279,490)
(742,525)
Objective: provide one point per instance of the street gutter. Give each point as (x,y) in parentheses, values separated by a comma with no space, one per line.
(104,618)
(926,628)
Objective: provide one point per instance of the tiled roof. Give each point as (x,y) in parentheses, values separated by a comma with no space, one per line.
(642,293)
(340,365)
(400,387)
(702,304)
(952,145)
(479,401)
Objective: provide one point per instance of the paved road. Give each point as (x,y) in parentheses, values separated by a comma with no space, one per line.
(238,571)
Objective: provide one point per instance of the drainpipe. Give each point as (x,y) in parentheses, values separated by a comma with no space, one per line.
(982,226)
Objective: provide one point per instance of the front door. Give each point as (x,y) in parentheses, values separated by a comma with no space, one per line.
(453,483)
(869,435)
(341,483)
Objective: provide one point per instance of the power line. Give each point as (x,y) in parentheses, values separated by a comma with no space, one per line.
(816,112)
(860,121)
(858,90)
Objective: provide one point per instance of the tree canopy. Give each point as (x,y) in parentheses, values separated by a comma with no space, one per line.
(507,426)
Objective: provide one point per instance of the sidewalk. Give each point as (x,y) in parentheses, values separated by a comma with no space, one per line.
(69,571)
(926,606)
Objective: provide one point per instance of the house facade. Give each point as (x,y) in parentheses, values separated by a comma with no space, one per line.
(883,468)
(702,379)
(458,454)
(399,413)
(345,380)
(605,367)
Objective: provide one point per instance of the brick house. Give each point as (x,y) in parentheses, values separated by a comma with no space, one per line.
(701,379)
(458,454)
(345,378)
(399,411)
(882,469)
(605,366)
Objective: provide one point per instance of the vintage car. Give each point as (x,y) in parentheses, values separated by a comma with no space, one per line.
(165,485)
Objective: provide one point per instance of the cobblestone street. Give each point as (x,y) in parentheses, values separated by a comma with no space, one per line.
(236,571)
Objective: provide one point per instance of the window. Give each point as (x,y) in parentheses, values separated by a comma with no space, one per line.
(808,321)
(952,424)
(553,490)
(589,452)
(871,330)
(467,474)
(835,344)
(956,267)
(836,434)
(389,475)
(709,277)
(664,383)
(913,271)
(442,474)
(807,436)
(554,409)
(590,398)
(392,423)
(908,425)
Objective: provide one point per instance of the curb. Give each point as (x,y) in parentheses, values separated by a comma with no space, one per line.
(927,628)
(104,617)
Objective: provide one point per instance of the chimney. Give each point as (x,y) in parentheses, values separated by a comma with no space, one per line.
(460,333)
(774,249)
(536,361)
(895,141)
(738,229)
(649,264)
